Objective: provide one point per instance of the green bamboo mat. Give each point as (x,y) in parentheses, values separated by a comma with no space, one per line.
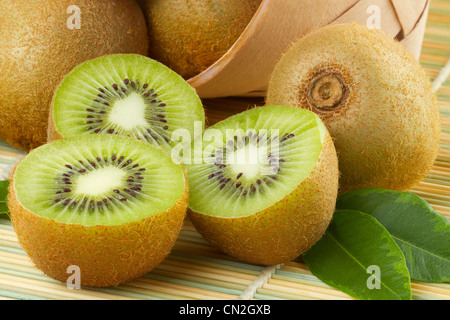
(195,270)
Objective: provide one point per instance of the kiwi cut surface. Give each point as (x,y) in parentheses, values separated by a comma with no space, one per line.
(374,98)
(112,205)
(265,191)
(125,94)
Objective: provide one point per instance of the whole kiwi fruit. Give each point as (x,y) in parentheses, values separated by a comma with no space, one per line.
(374,97)
(190,35)
(42,40)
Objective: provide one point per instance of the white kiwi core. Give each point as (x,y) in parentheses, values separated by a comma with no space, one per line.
(129,112)
(99,182)
(250,160)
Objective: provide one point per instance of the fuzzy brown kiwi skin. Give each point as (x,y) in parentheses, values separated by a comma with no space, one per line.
(106,255)
(189,36)
(49,50)
(386,126)
(285,230)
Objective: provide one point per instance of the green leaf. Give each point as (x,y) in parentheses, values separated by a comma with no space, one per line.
(421,233)
(358,256)
(4,184)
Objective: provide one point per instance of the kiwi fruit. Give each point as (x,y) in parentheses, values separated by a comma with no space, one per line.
(190,35)
(109,204)
(40,44)
(126,94)
(263,183)
(374,98)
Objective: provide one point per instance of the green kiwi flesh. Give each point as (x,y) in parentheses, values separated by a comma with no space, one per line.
(125,94)
(98,180)
(234,181)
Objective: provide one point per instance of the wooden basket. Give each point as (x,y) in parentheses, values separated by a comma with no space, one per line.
(246,68)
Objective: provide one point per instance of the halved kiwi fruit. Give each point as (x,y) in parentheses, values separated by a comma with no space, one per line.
(125,94)
(373,96)
(111,205)
(263,184)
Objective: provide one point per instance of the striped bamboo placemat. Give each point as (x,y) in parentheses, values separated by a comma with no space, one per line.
(197,271)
